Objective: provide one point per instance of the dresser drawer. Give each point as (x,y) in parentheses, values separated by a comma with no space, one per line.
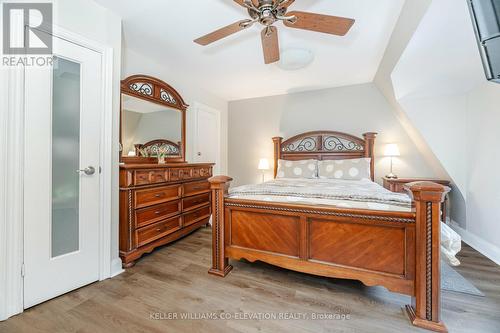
(144,177)
(195,201)
(153,196)
(196,216)
(158,230)
(156,213)
(181,174)
(196,188)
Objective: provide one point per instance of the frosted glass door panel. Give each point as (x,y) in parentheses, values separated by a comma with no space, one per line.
(65,156)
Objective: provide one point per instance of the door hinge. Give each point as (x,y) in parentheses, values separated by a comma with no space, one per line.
(23,271)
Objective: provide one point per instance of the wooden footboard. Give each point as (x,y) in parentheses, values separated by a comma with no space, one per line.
(397,250)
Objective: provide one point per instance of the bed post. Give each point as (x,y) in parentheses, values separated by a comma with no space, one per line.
(426,304)
(277,153)
(220,263)
(370,151)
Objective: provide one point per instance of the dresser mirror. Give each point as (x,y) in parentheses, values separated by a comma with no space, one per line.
(153,118)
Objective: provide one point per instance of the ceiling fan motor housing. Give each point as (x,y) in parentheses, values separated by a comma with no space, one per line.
(266,14)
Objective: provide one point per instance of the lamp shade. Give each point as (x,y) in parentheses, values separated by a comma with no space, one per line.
(392,150)
(263,164)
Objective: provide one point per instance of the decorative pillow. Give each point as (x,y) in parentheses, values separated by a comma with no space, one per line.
(355,169)
(297,169)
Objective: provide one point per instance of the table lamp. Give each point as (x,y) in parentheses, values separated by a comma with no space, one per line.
(392,150)
(263,166)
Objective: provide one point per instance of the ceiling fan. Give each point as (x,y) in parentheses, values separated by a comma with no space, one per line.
(268,12)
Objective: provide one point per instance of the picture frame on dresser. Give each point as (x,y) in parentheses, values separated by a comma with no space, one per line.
(159,202)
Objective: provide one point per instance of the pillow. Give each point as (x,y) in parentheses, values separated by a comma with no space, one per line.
(297,169)
(355,169)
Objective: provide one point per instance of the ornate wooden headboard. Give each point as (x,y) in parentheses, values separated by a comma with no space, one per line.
(325,145)
(151,148)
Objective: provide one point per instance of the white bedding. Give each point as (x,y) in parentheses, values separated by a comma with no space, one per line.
(361,194)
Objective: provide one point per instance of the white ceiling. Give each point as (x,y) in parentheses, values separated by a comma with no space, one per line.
(233,68)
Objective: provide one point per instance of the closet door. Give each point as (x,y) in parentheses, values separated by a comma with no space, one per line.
(63,106)
(207,136)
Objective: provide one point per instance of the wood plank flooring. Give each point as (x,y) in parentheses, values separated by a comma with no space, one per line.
(173,281)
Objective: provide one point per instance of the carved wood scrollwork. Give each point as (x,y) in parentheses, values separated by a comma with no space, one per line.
(153,89)
(428,262)
(323,142)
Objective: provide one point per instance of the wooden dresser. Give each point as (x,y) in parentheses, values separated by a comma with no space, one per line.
(160,204)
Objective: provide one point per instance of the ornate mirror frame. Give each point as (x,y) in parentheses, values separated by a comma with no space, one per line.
(157,91)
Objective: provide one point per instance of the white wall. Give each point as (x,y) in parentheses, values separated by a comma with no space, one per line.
(353,109)
(483,161)
(411,15)
(136,63)
(440,86)
(439,65)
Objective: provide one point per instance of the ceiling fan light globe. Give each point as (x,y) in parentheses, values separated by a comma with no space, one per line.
(295,58)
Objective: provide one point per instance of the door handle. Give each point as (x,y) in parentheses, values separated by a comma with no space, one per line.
(89,171)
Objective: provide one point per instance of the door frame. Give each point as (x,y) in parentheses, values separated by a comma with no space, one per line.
(12,172)
(196,108)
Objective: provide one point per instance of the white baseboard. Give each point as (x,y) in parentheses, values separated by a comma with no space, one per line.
(484,247)
(116,267)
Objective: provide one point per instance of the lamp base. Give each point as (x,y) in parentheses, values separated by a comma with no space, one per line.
(391,176)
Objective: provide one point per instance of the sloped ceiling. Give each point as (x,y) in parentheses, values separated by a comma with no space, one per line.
(442,57)
(233,68)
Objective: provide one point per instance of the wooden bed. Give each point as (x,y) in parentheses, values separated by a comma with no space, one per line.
(397,250)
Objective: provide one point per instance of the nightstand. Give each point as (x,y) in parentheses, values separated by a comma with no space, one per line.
(397,185)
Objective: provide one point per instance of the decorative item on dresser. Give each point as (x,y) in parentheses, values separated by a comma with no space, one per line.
(162,197)
(388,247)
(160,204)
(398,185)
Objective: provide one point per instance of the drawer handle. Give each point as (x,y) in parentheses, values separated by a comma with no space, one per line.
(158,229)
(159,195)
(158,212)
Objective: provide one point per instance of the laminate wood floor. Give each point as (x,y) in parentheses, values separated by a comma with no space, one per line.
(173,281)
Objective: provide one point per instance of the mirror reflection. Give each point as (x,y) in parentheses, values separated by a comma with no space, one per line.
(150,129)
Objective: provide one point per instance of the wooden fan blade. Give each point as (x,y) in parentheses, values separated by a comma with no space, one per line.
(320,23)
(287,4)
(270,45)
(240,2)
(222,33)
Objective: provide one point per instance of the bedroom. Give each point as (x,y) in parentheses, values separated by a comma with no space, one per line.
(125,244)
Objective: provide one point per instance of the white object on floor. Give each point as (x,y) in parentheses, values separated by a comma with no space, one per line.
(451,244)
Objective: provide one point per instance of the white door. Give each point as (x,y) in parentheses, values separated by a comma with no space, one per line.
(61,196)
(207,136)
